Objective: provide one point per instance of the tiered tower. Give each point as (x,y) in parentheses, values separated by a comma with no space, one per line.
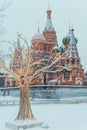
(17,58)
(49,32)
(72,60)
(38,52)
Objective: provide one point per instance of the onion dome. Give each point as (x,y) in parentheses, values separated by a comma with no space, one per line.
(55,49)
(70,38)
(49,11)
(70,42)
(62,48)
(73,39)
(66,40)
(38,38)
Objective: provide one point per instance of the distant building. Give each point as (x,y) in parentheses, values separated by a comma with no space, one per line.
(85,78)
(2,79)
(68,70)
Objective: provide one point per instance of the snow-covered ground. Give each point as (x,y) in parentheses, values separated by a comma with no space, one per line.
(57,116)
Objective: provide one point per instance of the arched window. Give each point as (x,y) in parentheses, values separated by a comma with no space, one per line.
(78,62)
(73,61)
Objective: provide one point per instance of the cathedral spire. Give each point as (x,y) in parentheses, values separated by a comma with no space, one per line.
(49,32)
(49,11)
(69,23)
(49,25)
(49,5)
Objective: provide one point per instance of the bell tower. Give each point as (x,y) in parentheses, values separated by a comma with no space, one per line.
(49,32)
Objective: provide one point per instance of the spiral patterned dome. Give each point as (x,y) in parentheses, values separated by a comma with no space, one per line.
(38,38)
(66,40)
(70,38)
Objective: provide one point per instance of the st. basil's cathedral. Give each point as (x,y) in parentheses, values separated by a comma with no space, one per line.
(68,70)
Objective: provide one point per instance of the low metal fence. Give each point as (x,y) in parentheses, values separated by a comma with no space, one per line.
(58,93)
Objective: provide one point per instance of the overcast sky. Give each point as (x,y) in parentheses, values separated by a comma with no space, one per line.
(23,15)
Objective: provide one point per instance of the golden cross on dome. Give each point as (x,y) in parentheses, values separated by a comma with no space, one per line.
(69,25)
(49,10)
(49,5)
(38,26)
(72,26)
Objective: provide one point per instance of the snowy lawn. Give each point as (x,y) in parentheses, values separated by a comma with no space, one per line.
(57,116)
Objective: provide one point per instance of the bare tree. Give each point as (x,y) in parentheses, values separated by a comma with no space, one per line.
(23,70)
(3,6)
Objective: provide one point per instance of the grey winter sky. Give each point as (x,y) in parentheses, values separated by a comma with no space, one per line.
(23,15)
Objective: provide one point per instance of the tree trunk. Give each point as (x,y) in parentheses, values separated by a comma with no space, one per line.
(25,112)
